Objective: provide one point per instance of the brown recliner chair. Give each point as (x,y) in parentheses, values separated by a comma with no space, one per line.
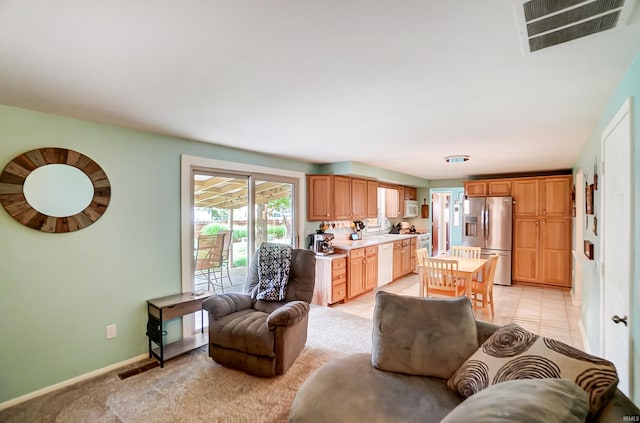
(259,337)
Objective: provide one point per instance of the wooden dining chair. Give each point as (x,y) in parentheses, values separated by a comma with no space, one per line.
(465,252)
(440,278)
(421,256)
(482,290)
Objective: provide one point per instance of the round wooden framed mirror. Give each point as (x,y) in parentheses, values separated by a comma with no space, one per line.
(54,190)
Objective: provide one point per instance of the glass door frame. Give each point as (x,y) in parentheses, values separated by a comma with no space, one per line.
(191,163)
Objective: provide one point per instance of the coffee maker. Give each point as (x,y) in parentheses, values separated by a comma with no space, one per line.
(320,243)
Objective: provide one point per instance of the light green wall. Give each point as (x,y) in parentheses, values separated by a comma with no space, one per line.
(58,292)
(628,87)
(365,171)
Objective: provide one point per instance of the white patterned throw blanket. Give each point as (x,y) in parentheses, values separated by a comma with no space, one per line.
(274,262)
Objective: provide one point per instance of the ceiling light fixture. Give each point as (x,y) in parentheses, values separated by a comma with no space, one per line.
(460,158)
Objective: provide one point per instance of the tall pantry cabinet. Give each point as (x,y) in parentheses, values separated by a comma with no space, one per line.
(542,230)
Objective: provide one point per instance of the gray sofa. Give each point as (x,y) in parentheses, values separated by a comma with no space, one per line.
(261,337)
(380,387)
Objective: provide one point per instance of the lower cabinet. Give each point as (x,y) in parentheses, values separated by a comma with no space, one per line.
(362,270)
(404,257)
(542,251)
(331,280)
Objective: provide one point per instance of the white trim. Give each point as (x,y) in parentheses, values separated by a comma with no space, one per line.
(585,340)
(70,382)
(186,250)
(624,110)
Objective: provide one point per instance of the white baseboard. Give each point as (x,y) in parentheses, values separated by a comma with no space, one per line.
(587,347)
(71,381)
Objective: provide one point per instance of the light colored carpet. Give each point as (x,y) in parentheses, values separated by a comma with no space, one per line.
(193,388)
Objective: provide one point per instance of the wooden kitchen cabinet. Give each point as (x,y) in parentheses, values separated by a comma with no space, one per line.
(475,188)
(555,251)
(403,257)
(414,246)
(526,244)
(542,230)
(499,188)
(542,251)
(410,193)
(331,280)
(319,197)
(335,197)
(397,259)
(372,199)
(359,199)
(555,196)
(341,198)
(488,188)
(362,270)
(371,268)
(526,194)
(544,196)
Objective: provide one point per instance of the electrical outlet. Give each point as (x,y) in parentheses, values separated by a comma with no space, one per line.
(111,331)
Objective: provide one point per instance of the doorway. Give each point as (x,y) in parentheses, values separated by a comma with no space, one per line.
(616,245)
(440,229)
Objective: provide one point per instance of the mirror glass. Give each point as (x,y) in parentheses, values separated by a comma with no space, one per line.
(58,190)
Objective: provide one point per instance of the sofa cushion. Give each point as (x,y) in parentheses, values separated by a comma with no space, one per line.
(526,401)
(514,353)
(350,390)
(422,336)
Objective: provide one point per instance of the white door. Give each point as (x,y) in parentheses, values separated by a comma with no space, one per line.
(616,243)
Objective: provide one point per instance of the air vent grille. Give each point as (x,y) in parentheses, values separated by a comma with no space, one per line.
(548,23)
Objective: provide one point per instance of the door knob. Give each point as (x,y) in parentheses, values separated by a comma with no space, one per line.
(617,319)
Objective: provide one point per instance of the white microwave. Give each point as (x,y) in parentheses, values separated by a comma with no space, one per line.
(410,208)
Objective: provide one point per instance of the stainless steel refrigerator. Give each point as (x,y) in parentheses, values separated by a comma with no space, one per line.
(487,224)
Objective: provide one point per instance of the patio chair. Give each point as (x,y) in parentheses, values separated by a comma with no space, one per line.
(209,260)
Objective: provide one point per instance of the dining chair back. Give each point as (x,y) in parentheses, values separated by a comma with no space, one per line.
(209,259)
(465,252)
(440,278)
(482,290)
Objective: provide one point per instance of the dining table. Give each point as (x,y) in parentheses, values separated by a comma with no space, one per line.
(467,267)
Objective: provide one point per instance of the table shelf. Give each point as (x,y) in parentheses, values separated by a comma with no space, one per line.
(166,308)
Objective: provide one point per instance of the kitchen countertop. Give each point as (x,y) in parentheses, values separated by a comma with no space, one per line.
(368,241)
(330,256)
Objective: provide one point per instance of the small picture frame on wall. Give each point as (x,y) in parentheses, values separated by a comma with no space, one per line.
(595,173)
(588,249)
(588,199)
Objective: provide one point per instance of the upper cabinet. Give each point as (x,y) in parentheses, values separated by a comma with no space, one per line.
(359,199)
(526,196)
(372,199)
(410,193)
(342,198)
(555,196)
(488,188)
(319,197)
(548,196)
(335,197)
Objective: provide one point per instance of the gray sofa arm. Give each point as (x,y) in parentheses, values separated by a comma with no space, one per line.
(289,314)
(221,305)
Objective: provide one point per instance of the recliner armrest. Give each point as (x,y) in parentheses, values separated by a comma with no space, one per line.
(288,314)
(221,305)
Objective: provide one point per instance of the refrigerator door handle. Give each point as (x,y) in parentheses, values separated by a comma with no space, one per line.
(486,224)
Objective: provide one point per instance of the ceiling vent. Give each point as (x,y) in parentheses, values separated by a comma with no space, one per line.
(546,23)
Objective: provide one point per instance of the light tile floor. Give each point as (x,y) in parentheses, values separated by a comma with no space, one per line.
(545,311)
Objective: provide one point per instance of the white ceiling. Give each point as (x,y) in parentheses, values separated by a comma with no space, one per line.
(392,84)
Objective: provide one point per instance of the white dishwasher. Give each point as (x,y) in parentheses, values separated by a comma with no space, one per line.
(385,263)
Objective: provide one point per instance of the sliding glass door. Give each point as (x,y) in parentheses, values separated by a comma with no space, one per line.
(274,211)
(225,234)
